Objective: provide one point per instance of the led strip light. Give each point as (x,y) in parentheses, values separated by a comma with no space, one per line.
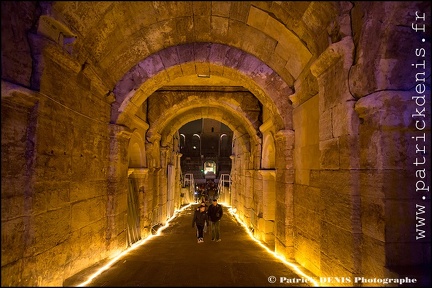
(232,211)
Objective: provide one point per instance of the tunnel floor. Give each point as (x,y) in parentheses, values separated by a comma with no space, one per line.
(174,258)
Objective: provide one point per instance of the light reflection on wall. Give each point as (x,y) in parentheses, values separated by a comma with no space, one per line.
(133,246)
(293,266)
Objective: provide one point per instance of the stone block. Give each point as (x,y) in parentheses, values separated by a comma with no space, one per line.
(13,240)
(285,233)
(174,72)
(373,217)
(285,176)
(57,192)
(340,181)
(239,11)
(307,196)
(302,176)
(219,27)
(409,221)
(56,165)
(334,274)
(305,87)
(307,158)
(383,131)
(269,211)
(258,19)
(345,120)
(88,211)
(306,124)
(269,241)
(339,247)
(330,154)
(373,256)
(349,151)
(284,193)
(372,184)
(279,64)
(307,222)
(325,130)
(43,268)
(221,8)
(11,274)
(87,189)
(14,207)
(307,252)
(120,227)
(287,251)
(50,229)
(400,254)
(341,209)
(296,54)
(285,213)
(265,226)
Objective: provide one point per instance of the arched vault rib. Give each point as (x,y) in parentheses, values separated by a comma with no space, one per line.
(119,34)
(172,119)
(235,123)
(228,62)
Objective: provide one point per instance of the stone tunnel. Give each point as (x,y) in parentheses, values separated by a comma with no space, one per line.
(328,103)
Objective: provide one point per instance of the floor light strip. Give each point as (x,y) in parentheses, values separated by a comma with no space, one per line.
(280,257)
(134,246)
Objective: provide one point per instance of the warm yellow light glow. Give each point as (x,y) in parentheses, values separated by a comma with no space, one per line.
(134,245)
(233,212)
(280,257)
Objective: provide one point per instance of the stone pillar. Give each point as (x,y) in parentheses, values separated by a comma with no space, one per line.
(391,187)
(236,181)
(179,201)
(284,217)
(247,199)
(258,197)
(163,188)
(117,187)
(153,154)
(140,175)
(156,203)
(266,223)
(19,116)
(232,186)
(268,146)
(337,180)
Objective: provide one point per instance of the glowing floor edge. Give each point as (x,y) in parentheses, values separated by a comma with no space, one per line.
(232,211)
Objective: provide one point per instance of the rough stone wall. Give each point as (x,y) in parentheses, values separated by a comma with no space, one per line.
(340,235)
(383,194)
(350,157)
(361,164)
(65,202)
(307,211)
(388,150)
(19,121)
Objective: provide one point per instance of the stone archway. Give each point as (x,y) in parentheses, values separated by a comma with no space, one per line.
(254,75)
(346,67)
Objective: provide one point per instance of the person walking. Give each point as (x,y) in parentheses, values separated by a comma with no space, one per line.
(215,213)
(199,220)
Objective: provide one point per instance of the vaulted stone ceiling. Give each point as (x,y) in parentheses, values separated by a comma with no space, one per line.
(269,48)
(116,35)
(140,47)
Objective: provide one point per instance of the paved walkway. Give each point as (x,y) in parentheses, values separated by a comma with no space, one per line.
(174,258)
